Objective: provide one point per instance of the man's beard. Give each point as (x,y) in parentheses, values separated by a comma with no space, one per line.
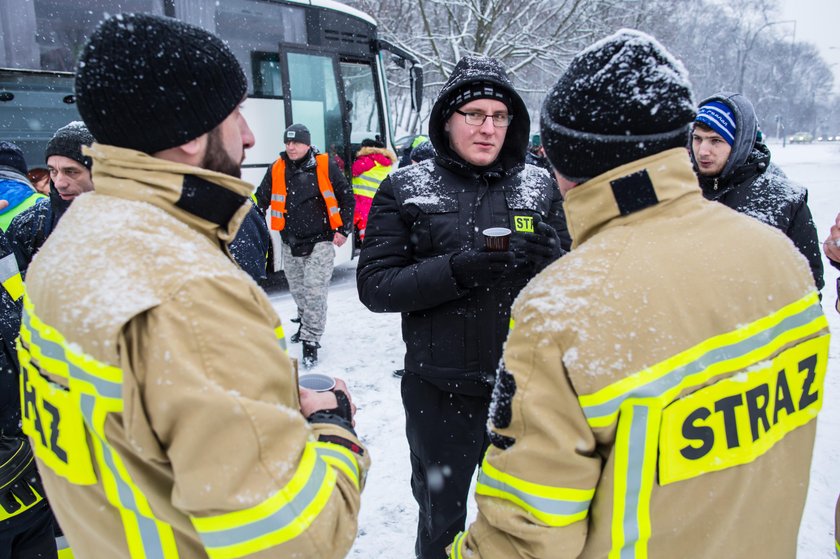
(217,159)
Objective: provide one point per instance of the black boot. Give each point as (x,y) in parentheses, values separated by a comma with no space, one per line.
(399,373)
(296,336)
(310,354)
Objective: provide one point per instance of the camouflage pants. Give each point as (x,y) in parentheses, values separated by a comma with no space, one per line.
(309,281)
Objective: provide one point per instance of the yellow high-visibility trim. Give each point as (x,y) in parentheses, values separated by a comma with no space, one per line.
(280,334)
(629,384)
(535,498)
(348,463)
(457,543)
(14,286)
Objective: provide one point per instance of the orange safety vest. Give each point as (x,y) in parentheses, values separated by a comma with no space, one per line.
(278,192)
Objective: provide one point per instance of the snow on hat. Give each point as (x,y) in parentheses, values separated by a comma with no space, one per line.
(719,117)
(297,133)
(151,83)
(11,157)
(475,90)
(621,99)
(68,141)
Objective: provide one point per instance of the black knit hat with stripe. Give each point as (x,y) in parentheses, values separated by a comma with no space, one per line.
(150,83)
(621,99)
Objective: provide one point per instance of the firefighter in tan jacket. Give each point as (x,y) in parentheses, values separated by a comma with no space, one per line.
(660,383)
(161,406)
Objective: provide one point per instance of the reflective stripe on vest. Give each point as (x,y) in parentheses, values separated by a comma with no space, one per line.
(368,182)
(278,192)
(10,276)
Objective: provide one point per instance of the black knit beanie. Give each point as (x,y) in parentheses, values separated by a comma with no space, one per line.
(471,91)
(621,99)
(297,133)
(68,141)
(150,83)
(11,157)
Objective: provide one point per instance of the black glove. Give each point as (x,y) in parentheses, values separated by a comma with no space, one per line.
(474,268)
(542,247)
(341,415)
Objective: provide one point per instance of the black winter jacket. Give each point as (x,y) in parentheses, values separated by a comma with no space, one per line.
(250,246)
(421,217)
(30,228)
(9,328)
(307,222)
(751,185)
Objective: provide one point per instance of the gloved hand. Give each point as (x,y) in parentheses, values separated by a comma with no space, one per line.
(542,247)
(475,268)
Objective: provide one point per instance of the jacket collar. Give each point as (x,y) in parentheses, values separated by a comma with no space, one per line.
(212,203)
(622,195)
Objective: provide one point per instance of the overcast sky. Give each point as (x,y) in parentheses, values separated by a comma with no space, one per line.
(817,22)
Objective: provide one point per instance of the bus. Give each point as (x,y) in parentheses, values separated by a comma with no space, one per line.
(316,62)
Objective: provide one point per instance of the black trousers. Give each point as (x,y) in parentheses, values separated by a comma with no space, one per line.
(30,535)
(447,437)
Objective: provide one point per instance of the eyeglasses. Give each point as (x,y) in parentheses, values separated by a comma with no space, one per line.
(474,118)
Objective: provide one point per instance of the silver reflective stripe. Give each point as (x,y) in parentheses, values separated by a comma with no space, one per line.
(282,342)
(53,350)
(61,543)
(328,194)
(278,198)
(635,464)
(8,267)
(324,451)
(370,178)
(543,504)
(333,210)
(152,546)
(276,214)
(365,187)
(286,515)
(742,347)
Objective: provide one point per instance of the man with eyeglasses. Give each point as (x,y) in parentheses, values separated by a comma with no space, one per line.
(423,256)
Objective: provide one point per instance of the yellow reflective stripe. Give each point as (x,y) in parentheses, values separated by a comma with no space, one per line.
(837,549)
(10,276)
(278,519)
(555,506)
(339,457)
(511,324)
(63,548)
(727,352)
(456,545)
(280,334)
(35,495)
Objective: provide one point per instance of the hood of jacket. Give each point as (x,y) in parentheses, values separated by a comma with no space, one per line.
(212,203)
(475,69)
(746,131)
(756,163)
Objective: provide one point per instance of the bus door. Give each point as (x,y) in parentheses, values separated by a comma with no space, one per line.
(314,97)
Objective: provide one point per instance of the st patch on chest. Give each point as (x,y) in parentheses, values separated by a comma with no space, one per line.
(523,223)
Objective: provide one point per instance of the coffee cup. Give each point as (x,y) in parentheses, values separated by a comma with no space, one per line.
(497,239)
(317,382)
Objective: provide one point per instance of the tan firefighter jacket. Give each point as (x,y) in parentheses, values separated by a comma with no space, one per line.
(161,405)
(659,386)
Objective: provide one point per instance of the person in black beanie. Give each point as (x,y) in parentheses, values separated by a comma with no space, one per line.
(164,362)
(424,257)
(633,362)
(70,176)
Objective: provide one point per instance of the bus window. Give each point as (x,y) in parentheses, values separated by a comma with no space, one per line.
(49,34)
(267,77)
(315,102)
(360,92)
(250,27)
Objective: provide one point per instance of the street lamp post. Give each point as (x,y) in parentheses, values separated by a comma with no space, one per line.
(750,44)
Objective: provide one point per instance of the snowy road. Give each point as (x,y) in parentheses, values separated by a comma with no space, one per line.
(363,348)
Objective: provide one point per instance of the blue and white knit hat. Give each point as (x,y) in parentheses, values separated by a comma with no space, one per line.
(719,117)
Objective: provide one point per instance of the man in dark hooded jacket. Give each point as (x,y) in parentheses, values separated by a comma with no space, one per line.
(423,257)
(733,166)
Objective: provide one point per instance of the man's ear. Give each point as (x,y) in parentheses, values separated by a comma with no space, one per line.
(194,147)
(190,153)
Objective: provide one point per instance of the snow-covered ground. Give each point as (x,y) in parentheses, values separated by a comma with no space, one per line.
(363,348)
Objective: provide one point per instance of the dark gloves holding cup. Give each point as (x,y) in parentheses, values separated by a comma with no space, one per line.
(474,268)
(542,247)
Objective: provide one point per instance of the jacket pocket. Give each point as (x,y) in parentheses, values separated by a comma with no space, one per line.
(436,228)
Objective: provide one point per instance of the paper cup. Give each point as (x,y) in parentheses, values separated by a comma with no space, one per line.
(317,382)
(497,238)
